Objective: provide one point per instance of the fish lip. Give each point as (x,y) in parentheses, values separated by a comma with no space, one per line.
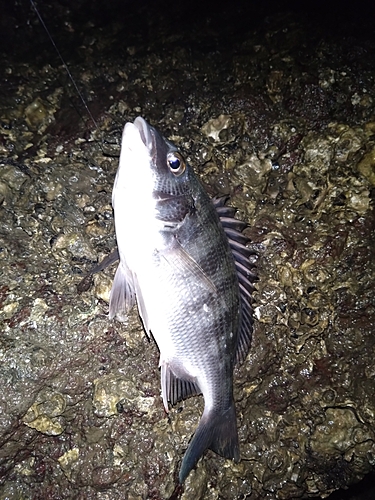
(145,131)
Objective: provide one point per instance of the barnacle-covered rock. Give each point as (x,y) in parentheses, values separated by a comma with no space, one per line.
(275,112)
(223,129)
(44,415)
(116,393)
(37,115)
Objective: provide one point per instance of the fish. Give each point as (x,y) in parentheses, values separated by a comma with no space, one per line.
(185,263)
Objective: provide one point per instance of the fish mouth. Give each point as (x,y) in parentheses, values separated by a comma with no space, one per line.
(144,131)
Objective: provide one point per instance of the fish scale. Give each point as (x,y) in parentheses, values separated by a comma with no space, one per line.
(184,261)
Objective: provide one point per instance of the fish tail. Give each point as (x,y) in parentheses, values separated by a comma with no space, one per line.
(218,432)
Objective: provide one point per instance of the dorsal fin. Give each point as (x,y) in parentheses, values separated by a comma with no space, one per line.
(245,271)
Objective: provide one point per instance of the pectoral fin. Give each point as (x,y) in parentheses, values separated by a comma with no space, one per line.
(179,259)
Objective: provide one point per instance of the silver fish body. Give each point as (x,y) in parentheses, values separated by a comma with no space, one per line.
(177,263)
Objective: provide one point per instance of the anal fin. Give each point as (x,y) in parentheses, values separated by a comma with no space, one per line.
(175,388)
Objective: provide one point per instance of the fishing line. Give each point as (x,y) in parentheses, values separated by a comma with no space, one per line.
(64,63)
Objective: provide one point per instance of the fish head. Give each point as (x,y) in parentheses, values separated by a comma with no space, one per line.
(152,175)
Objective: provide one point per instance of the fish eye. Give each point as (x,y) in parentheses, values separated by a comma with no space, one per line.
(176,163)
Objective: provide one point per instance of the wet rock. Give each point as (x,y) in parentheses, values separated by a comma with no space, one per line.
(37,115)
(269,108)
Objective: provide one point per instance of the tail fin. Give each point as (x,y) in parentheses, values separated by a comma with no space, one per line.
(217,432)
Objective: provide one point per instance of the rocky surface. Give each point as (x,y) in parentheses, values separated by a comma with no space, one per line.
(275,108)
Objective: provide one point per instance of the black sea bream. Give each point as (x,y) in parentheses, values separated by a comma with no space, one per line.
(184,261)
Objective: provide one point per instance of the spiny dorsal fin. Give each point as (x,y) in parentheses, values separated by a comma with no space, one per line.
(245,271)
